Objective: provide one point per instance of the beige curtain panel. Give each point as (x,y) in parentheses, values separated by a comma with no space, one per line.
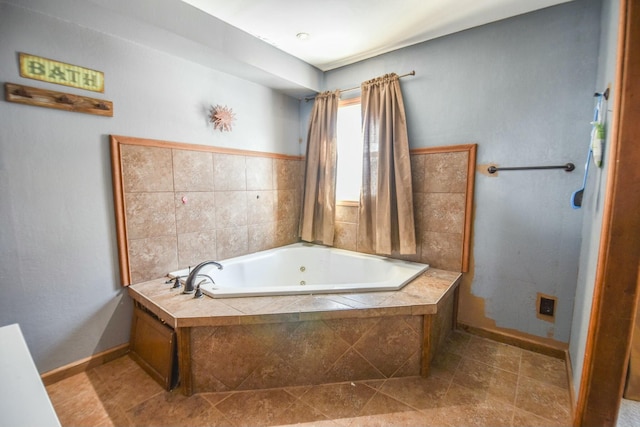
(319,200)
(386,199)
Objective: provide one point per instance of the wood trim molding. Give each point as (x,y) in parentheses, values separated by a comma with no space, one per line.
(468,210)
(130,140)
(572,390)
(616,282)
(83,365)
(120,214)
(444,149)
(516,341)
(183,336)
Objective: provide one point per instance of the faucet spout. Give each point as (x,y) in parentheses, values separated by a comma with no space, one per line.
(189,286)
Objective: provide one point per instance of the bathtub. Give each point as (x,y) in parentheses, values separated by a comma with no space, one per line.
(304,268)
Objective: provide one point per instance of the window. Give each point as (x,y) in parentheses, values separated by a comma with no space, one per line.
(349,173)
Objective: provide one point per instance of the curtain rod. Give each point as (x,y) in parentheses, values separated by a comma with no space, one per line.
(411,73)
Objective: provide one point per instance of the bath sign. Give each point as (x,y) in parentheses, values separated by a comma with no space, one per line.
(47,70)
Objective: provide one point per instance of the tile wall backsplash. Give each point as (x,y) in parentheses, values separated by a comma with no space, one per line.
(439,199)
(184,206)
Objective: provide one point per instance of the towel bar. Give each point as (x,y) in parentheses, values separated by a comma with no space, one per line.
(568,168)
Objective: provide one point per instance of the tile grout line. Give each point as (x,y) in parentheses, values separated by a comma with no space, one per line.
(515,399)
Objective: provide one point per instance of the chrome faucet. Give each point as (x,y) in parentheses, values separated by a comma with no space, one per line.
(189,286)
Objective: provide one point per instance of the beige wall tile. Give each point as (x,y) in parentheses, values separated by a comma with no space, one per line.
(193,248)
(229,172)
(442,250)
(261,207)
(445,172)
(152,258)
(192,170)
(287,204)
(443,212)
(268,214)
(231,209)
(345,236)
(261,236)
(146,168)
(418,213)
(259,173)
(150,215)
(231,242)
(287,174)
(346,213)
(417,172)
(195,211)
(286,232)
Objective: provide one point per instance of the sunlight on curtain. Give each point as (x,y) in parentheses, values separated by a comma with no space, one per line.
(318,204)
(386,200)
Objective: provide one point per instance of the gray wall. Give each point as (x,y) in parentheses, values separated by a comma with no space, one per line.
(522,89)
(58,262)
(594,196)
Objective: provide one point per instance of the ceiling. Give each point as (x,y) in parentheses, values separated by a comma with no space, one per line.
(341,32)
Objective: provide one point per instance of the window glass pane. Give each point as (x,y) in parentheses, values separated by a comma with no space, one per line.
(349,175)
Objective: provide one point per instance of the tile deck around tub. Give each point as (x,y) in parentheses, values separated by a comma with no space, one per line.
(421,296)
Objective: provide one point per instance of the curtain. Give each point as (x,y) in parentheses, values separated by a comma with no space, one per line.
(386,199)
(318,205)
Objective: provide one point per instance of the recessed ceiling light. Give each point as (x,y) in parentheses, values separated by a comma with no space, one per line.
(302,36)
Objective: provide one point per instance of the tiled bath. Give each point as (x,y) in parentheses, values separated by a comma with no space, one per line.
(184,204)
(299,340)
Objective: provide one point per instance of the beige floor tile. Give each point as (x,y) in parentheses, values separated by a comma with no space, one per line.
(444,364)
(116,368)
(523,418)
(174,409)
(465,407)
(85,410)
(417,392)
(393,419)
(260,407)
(544,368)
(543,399)
(472,383)
(456,343)
(70,388)
(381,404)
(502,356)
(483,378)
(132,387)
(344,400)
(300,412)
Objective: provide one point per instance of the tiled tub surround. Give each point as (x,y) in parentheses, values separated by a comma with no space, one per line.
(267,342)
(443,180)
(179,204)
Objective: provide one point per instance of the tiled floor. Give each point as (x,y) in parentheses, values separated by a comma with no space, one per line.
(474,382)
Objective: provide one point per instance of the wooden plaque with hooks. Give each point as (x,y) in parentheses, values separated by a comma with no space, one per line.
(52,99)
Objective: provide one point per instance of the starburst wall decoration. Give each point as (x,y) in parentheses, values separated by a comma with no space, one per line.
(222,118)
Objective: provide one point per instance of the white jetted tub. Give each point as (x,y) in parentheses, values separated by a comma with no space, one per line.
(303,268)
